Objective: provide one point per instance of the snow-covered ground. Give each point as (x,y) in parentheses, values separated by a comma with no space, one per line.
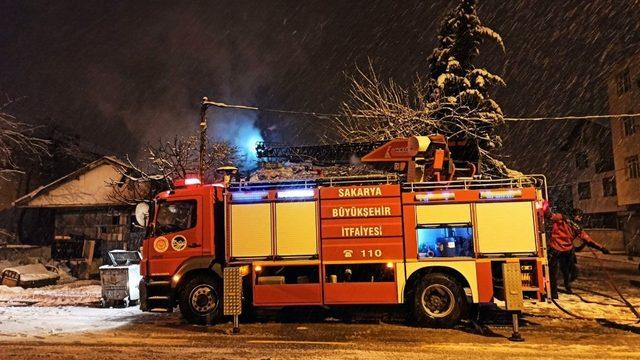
(78,293)
(74,307)
(17,322)
(57,309)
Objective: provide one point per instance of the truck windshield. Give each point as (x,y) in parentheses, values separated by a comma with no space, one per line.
(175,216)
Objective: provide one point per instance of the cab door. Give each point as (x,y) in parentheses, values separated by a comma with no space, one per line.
(178,233)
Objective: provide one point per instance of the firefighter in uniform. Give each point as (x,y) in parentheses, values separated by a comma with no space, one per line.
(561,250)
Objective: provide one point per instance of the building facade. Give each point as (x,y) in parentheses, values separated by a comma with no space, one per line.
(588,182)
(594,181)
(623,88)
(83,206)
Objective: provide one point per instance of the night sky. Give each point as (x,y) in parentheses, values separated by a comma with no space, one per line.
(122,74)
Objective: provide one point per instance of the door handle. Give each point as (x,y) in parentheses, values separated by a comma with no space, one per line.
(194,245)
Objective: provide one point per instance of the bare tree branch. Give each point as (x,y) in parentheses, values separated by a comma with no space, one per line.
(167,161)
(16,138)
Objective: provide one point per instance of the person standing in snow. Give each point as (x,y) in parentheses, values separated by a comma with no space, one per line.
(561,251)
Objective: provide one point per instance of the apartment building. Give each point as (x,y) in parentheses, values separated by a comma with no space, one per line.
(588,181)
(623,86)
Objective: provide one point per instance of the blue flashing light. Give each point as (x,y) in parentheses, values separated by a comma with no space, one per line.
(249,195)
(435,196)
(498,195)
(296,194)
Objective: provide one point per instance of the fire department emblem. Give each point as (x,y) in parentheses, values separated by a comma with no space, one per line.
(161,244)
(178,243)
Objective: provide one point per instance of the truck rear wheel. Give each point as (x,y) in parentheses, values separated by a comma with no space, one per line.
(200,300)
(439,301)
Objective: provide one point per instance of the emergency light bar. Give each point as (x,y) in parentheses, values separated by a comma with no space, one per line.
(186,182)
(501,194)
(192,181)
(249,195)
(435,196)
(296,194)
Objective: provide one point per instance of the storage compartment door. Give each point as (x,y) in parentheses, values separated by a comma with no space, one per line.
(296,229)
(443,214)
(277,285)
(251,230)
(506,227)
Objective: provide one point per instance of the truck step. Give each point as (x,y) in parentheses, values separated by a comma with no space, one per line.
(159,283)
(158,298)
(161,310)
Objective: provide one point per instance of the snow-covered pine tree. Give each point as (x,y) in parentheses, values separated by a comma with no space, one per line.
(454,100)
(458,91)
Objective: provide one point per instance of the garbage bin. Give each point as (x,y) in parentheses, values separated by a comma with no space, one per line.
(120,279)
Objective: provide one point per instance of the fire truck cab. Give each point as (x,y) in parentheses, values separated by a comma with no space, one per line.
(436,246)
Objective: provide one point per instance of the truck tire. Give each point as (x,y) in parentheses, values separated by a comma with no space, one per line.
(200,300)
(439,301)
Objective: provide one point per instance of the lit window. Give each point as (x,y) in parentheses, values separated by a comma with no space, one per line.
(447,240)
(623,82)
(609,186)
(632,167)
(584,190)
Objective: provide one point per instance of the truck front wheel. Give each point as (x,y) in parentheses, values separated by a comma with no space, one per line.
(439,301)
(200,300)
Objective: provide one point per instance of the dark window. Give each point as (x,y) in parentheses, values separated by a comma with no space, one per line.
(582,160)
(584,190)
(623,82)
(632,167)
(605,160)
(604,165)
(175,216)
(601,221)
(629,126)
(122,181)
(609,186)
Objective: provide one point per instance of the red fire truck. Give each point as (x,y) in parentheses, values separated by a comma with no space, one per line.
(435,239)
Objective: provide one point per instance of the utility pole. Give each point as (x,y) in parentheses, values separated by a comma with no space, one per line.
(203,126)
(203,134)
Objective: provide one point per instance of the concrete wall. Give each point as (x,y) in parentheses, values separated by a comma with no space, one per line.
(612,239)
(598,203)
(632,233)
(591,141)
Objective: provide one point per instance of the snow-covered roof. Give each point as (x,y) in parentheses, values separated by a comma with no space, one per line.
(90,185)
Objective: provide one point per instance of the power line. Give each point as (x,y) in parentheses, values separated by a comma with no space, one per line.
(329,115)
(574,117)
(279,111)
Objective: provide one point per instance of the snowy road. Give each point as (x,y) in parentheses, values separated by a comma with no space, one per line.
(117,334)
(62,332)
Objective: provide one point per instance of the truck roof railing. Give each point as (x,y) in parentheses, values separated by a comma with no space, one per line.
(536,180)
(308,183)
(269,185)
(360,180)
